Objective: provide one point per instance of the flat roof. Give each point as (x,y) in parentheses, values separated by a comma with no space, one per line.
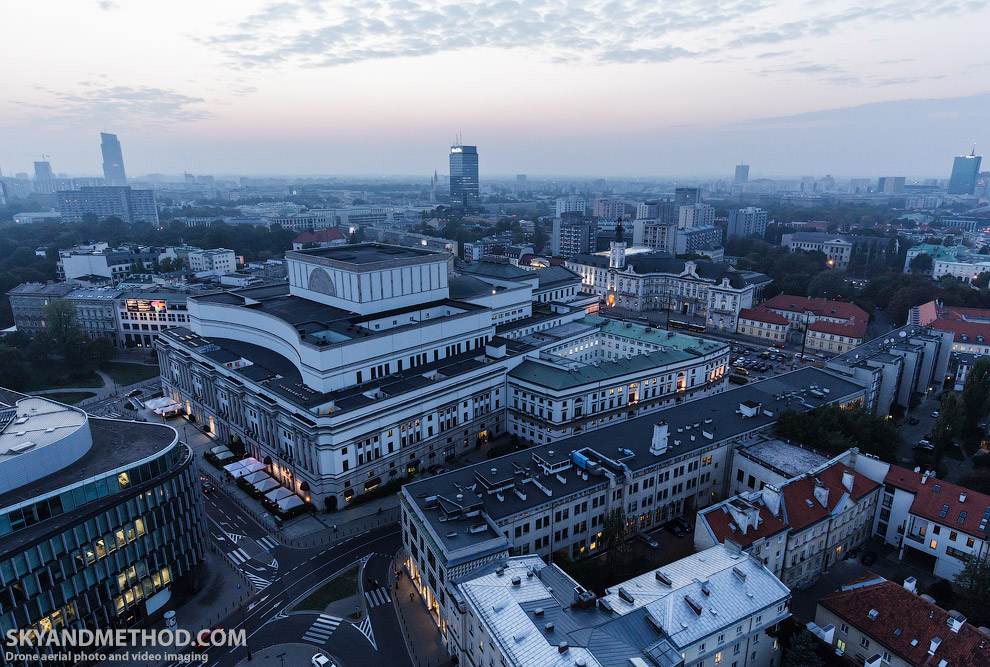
(785,458)
(718,414)
(38,421)
(367,253)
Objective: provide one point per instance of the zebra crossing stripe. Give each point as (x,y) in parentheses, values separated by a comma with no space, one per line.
(239,556)
(376,597)
(321,629)
(259,583)
(267,543)
(234,537)
(365,628)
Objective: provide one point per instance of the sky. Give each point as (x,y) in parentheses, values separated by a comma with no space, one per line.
(671,88)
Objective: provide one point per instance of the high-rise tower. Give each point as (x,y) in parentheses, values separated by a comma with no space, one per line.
(113,160)
(965,169)
(464,191)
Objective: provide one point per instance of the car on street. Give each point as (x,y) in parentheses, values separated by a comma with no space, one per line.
(437,469)
(869,557)
(912,421)
(321,660)
(133,392)
(208,488)
(674,528)
(935,414)
(685,526)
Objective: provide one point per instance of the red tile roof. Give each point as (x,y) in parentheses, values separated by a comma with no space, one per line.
(818,306)
(853,329)
(320,236)
(802,508)
(934,494)
(904,618)
(719,520)
(762,315)
(969,322)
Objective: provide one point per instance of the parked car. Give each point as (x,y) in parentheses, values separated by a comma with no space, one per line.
(652,543)
(935,414)
(674,528)
(437,469)
(321,660)
(685,526)
(869,557)
(912,421)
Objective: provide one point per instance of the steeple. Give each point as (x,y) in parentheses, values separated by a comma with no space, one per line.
(618,231)
(617,249)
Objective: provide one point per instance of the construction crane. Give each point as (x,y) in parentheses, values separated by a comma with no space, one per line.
(44,158)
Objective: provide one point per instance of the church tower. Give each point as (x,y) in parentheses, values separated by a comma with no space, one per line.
(617,249)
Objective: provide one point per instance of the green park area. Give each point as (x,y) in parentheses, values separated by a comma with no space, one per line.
(70,397)
(127,374)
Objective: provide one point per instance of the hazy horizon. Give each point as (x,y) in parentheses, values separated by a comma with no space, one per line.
(542,87)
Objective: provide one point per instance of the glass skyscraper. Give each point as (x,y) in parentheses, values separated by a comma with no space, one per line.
(113,160)
(965,169)
(464,178)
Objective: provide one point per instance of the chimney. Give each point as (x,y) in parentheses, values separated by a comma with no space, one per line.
(821,493)
(848,478)
(936,642)
(771,498)
(660,436)
(911,584)
(955,621)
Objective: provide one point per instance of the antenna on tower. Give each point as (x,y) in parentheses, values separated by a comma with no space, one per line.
(974,151)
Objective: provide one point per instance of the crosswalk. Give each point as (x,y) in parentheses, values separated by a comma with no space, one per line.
(365,628)
(259,583)
(376,597)
(238,556)
(267,543)
(321,629)
(233,537)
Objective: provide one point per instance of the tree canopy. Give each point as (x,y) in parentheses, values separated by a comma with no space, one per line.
(833,430)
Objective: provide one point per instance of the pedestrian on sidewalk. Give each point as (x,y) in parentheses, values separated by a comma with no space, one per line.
(334,528)
(410,597)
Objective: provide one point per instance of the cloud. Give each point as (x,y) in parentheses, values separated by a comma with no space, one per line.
(108,5)
(123,106)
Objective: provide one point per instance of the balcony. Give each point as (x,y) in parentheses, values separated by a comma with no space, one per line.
(920,539)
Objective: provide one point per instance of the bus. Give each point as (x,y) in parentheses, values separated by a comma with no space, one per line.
(689,326)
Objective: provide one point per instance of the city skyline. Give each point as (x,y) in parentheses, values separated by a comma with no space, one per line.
(286,88)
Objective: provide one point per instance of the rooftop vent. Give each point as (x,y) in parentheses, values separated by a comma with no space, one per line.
(739,573)
(936,642)
(626,595)
(695,607)
(538,611)
(548,627)
(663,578)
(873,614)
(516,580)
(562,647)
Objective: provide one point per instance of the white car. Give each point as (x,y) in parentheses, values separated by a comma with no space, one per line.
(321,660)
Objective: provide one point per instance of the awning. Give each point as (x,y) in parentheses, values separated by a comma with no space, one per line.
(288,503)
(253,467)
(372,483)
(266,485)
(219,450)
(256,477)
(231,467)
(237,473)
(225,456)
(278,494)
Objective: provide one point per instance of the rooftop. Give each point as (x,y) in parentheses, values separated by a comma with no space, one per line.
(943,502)
(517,482)
(907,624)
(817,306)
(367,255)
(785,458)
(762,315)
(820,494)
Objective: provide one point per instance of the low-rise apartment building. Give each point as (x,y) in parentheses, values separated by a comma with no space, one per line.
(718,607)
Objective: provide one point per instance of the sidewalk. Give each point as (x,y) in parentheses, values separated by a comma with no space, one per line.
(217,598)
(419,628)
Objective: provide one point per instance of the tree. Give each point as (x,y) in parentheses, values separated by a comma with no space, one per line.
(827,284)
(613,537)
(948,425)
(65,334)
(13,368)
(803,651)
(976,394)
(974,590)
(921,263)
(101,351)
(982,281)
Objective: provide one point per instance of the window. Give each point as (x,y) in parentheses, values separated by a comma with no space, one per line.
(885,657)
(864,642)
(933,544)
(840,645)
(843,628)
(718,658)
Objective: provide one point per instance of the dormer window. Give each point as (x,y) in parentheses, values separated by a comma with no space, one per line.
(965,337)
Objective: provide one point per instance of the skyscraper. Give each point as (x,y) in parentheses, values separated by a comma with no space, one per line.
(43,171)
(742,173)
(464,177)
(964,171)
(113,160)
(745,222)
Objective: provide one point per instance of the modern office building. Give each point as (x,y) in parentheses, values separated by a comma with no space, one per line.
(554,498)
(113,160)
(43,171)
(143,314)
(744,222)
(965,170)
(686,197)
(122,202)
(691,240)
(742,174)
(891,185)
(716,607)
(101,520)
(464,187)
(656,281)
